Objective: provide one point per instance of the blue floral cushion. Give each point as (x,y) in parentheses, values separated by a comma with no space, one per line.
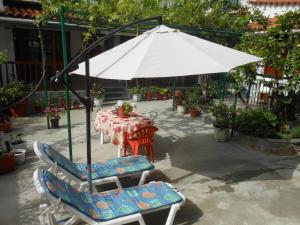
(112,204)
(62,161)
(116,167)
(108,168)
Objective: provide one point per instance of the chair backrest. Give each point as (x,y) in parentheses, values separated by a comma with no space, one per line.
(48,154)
(144,135)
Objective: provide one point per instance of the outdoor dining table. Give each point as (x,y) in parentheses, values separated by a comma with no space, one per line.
(108,123)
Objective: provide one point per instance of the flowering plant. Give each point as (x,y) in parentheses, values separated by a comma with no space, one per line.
(54,112)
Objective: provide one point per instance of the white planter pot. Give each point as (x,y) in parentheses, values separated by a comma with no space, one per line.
(221,134)
(19,146)
(19,156)
(98,102)
(181,109)
(137,97)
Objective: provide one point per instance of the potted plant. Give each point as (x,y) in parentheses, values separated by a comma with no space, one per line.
(54,114)
(7,162)
(221,124)
(17,142)
(5,125)
(124,108)
(193,97)
(63,102)
(136,92)
(13,93)
(7,159)
(181,108)
(149,94)
(98,94)
(76,104)
(161,93)
(39,105)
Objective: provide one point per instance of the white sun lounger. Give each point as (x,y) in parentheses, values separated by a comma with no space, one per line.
(117,206)
(108,171)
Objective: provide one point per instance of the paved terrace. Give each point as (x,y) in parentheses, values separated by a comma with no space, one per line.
(225,184)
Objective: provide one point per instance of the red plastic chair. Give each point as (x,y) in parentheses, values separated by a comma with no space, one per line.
(142,137)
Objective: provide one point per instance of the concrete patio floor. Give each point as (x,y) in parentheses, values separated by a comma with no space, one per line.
(225,184)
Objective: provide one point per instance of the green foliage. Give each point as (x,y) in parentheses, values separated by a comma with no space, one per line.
(97,92)
(193,96)
(295,132)
(3,57)
(257,122)
(205,14)
(152,89)
(163,91)
(136,90)
(222,114)
(54,99)
(12,92)
(128,108)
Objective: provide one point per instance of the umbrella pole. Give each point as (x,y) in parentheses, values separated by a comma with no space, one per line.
(88,122)
(174,89)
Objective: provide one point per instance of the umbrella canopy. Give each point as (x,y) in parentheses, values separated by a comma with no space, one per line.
(164,52)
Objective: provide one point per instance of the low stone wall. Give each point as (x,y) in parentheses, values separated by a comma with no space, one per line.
(271,146)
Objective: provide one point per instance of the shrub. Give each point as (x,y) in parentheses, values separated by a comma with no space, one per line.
(295,132)
(222,114)
(257,123)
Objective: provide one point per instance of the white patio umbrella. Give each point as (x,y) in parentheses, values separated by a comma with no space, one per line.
(164,52)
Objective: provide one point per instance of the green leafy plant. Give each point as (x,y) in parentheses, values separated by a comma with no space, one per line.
(13,92)
(193,96)
(295,132)
(54,99)
(163,91)
(257,122)
(222,114)
(97,92)
(3,57)
(136,90)
(128,107)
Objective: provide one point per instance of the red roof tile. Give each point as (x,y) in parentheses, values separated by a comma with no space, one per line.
(256,26)
(21,12)
(276,2)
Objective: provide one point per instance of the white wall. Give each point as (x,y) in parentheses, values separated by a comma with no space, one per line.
(7,44)
(271,10)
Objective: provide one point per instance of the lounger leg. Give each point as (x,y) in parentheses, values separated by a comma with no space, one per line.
(143,177)
(101,138)
(172,214)
(72,220)
(120,148)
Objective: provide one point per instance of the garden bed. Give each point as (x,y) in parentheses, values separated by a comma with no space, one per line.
(271,146)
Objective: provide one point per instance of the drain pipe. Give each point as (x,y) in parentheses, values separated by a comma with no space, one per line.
(2,7)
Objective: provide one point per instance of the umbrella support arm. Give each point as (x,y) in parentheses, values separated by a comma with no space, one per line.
(82,56)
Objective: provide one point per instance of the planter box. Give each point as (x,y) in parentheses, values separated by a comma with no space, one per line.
(271,146)
(7,163)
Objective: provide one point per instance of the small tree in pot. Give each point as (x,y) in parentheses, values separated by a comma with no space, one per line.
(221,124)
(136,92)
(193,97)
(98,94)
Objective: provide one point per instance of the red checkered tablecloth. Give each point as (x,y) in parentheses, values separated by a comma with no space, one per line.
(116,128)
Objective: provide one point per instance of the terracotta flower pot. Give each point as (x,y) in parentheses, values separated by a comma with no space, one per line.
(149,96)
(5,126)
(178,93)
(194,112)
(159,96)
(121,111)
(76,106)
(38,109)
(7,163)
(20,109)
